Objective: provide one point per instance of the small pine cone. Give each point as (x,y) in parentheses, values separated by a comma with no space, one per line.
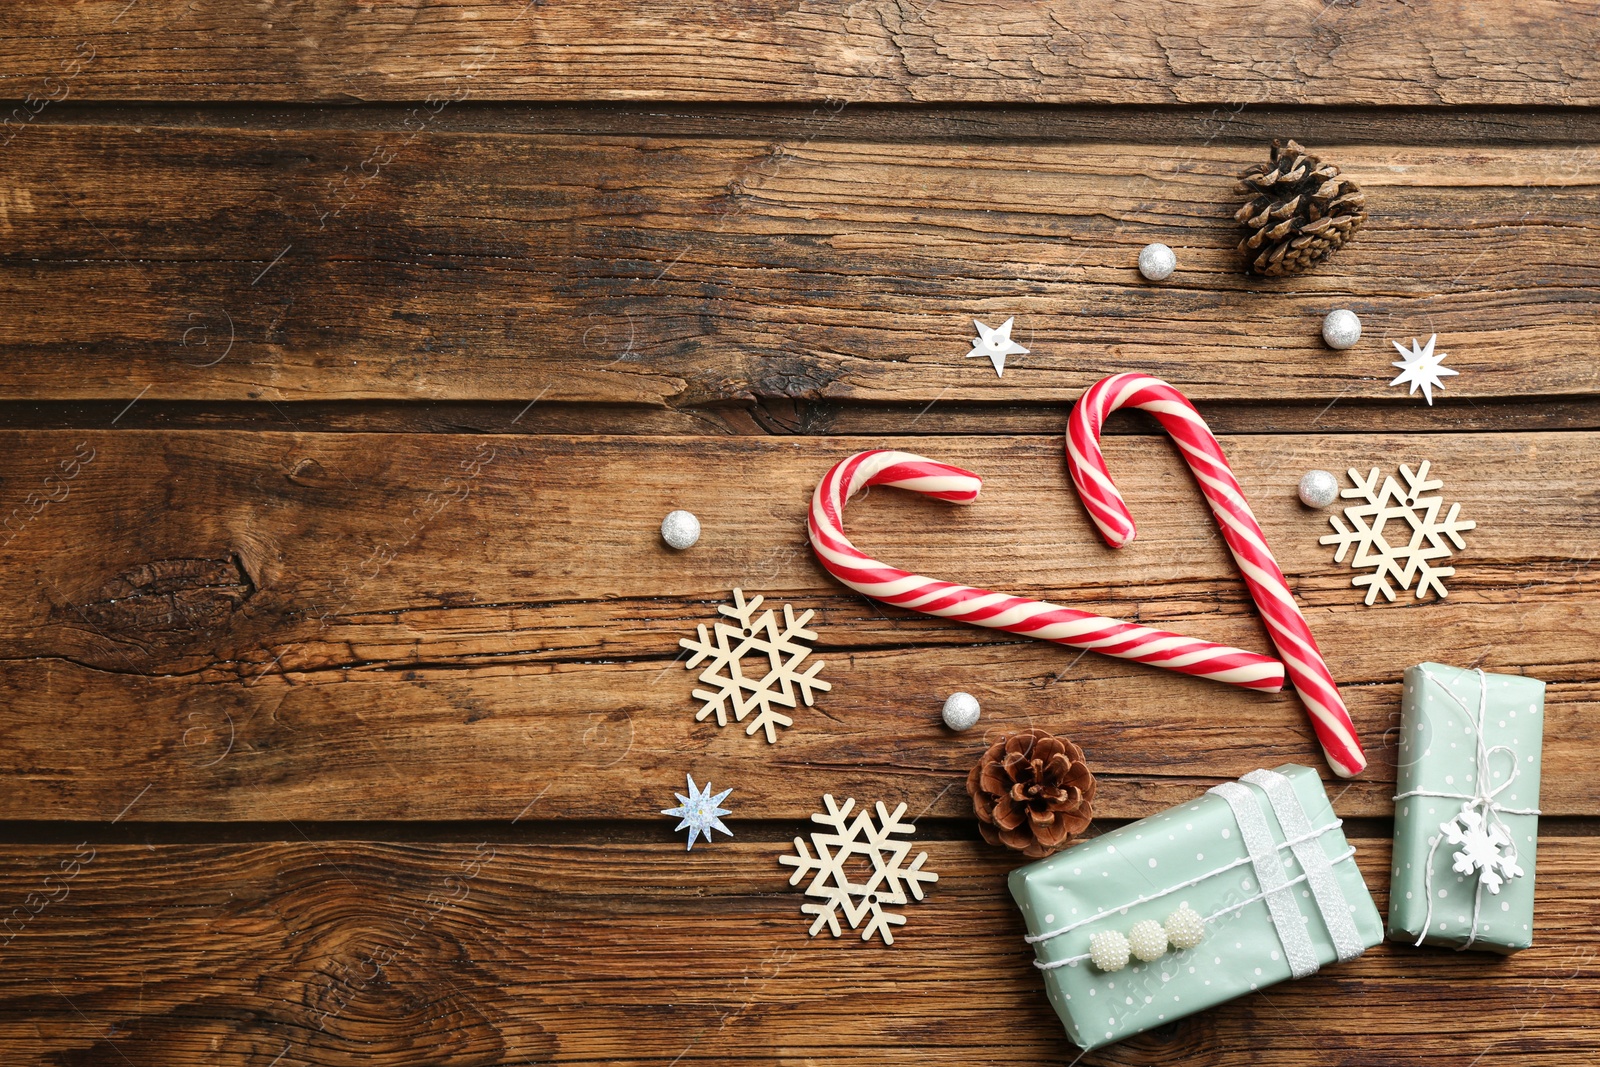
(1032,792)
(1297,210)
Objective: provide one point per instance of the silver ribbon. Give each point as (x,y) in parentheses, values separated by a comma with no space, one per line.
(1314,862)
(1263,849)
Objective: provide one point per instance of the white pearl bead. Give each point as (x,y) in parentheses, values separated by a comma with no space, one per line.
(1318,489)
(1341,329)
(1147,940)
(1157,262)
(1108,949)
(961,711)
(680,529)
(1185,928)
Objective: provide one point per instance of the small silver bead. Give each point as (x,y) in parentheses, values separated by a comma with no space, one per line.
(1341,329)
(1157,262)
(1318,489)
(961,711)
(680,529)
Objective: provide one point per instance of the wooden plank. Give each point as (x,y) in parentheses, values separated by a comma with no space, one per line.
(1429,53)
(1249,124)
(682,272)
(492,953)
(784,417)
(276,626)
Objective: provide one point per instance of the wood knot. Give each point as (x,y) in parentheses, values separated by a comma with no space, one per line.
(308,472)
(170,601)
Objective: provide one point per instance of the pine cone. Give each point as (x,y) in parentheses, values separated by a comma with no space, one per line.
(1298,211)
(1031,791)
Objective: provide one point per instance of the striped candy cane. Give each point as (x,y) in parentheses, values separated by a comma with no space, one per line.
(1285,625)
(1018,615)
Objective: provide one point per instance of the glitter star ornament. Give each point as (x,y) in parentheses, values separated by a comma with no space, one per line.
(1420,368)
(996,344)
(700,811)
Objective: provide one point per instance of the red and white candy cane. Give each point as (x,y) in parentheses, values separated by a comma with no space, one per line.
(1013,614)
(1285,625)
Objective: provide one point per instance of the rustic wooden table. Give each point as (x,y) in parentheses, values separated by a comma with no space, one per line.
(353,354)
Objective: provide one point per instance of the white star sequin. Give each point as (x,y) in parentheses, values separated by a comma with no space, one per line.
(699,811)
(997,345)
(1420,367)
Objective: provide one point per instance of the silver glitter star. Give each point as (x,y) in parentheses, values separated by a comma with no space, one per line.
(996,344)
(1420,367)
(699,811)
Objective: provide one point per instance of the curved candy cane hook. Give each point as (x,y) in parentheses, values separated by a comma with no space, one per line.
(999,611)
(1285,625)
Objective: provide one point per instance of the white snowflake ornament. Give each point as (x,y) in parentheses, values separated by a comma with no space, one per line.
(700,811)
(777,682)
(1485,848)
(1397,533)
(887,883)
(996,344)
(1420,368)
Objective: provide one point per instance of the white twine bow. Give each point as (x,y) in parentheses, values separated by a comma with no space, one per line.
(1481,804)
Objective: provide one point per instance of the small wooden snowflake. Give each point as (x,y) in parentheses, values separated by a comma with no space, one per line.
(1397,533)
(760,694)
(888,882)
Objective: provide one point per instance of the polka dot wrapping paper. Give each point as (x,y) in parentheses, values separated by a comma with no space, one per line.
(1468,740)
(1261,866)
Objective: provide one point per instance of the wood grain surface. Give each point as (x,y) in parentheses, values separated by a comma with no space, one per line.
(350,355)
(281,605)
(311,265)
(1423,53)
(488,953)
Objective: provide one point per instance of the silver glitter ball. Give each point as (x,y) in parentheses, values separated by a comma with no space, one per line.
(1341,329)
(961,711)
(1318,489)
(1157,262)
(680,529)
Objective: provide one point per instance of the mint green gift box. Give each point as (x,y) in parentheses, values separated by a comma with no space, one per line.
(1475,739)
(1219,855)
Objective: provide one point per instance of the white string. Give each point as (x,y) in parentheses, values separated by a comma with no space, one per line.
(1213,917)
(1048,934)
(1483,798)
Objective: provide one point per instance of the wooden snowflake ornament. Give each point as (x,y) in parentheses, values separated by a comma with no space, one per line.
(777,682)
(887,883)
(1397,533)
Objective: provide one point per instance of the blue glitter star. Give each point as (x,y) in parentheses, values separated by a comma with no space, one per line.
(699,811)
